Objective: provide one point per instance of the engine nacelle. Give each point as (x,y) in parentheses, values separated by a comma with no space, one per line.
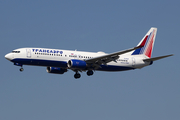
(56,70)
(79,64)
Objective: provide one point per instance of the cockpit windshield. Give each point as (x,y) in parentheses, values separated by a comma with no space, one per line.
(15,51)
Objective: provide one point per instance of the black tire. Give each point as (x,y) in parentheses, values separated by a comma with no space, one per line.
(21,69)
(90,72)
(77,75)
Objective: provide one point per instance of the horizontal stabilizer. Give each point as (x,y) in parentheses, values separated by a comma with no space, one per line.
(156,58)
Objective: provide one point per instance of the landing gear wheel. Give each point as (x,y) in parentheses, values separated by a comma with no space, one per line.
(90,72)
(21,69)
(77,75)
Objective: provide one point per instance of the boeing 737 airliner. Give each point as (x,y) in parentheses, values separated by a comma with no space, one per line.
(59,61)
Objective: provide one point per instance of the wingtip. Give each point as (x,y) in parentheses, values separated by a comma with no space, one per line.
(171,55)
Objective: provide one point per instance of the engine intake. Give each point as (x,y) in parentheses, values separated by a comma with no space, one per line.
(79,64)
(56,70)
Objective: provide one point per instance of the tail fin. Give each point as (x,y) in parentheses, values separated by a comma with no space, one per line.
(147,42)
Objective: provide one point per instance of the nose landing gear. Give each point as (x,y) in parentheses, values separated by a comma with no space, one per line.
(18,64)
(21,69)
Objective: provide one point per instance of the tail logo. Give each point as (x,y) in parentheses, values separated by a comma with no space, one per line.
(148,44)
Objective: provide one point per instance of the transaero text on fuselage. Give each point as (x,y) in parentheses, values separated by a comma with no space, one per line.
(47,51)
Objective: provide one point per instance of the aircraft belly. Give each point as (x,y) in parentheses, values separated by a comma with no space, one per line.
(41,62)
(114,68)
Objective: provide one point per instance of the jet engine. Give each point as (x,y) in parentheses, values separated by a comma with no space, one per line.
(56,70)
(78,64)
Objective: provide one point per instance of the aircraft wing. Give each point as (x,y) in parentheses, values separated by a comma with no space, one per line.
(97,61)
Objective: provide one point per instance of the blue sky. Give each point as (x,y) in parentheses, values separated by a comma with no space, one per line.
(97,25)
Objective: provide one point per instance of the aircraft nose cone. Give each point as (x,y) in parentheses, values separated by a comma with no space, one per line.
(8,56)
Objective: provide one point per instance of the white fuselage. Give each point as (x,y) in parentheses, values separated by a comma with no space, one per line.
(59,61)
(59,58)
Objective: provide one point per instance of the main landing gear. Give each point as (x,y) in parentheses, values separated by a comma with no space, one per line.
(90,72)
(77,75)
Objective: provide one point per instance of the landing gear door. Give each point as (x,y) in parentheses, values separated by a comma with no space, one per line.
(28,53)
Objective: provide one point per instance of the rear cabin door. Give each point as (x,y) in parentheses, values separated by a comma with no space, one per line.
(133,61)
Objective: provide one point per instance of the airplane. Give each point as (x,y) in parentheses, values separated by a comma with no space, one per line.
(59,61)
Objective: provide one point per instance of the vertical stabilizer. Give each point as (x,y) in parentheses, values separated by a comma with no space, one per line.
(147,42)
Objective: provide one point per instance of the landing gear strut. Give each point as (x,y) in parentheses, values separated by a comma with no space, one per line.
(21,69)
(77,75)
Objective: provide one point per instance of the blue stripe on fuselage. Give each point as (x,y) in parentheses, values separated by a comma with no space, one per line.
(114,68)
(63,64)
(38,62)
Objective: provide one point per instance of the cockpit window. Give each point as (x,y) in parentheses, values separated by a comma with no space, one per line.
(15,51)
